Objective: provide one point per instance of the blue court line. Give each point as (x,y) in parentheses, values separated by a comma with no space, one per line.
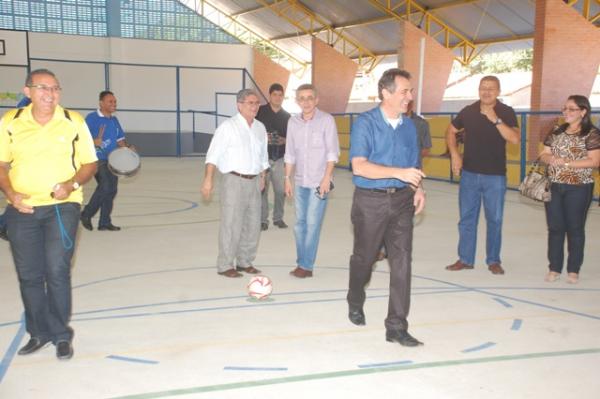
(239,368)
(479,347)
(398,363)
(503,302)
(132,359)
(354,372)
(77,316)
(528,302)
(12,349)
(516,324)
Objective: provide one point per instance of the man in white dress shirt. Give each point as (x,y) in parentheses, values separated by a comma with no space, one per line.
(239,151)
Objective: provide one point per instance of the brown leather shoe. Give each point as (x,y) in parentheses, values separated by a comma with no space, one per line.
(495,268)
(301,273)
(250,269)
(458,265)
(230,273)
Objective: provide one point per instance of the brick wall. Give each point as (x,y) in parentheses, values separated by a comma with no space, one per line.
(266,72)
(566,56)
(438,63)
(333,75)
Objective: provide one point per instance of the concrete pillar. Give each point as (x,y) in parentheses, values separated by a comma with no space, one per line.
(566,56)
(437,65)
(333,75)
(266,72)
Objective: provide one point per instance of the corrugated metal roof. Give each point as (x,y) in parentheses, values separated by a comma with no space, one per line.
(493,25)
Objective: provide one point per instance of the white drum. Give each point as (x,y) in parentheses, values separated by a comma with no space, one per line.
(124,162)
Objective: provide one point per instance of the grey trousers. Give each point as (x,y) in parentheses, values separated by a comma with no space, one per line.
(239,230)
(275,176)
(388,218)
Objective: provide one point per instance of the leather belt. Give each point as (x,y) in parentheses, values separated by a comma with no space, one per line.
(249,177)
(388,190)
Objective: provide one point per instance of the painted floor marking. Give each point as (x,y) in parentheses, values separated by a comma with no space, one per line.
(132,359)
(355,372)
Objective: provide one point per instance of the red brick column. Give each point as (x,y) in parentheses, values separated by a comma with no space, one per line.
(266,72)
(566,56)
(333,75)
(437,65)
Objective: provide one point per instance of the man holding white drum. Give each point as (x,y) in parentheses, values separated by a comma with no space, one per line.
(108,135)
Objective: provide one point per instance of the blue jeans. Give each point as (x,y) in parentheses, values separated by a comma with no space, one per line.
(565,215)
(42,245)
(475,188)
(309,217)
(103,196)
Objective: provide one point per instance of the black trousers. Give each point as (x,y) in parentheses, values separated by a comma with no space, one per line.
(566,214)
(388,218)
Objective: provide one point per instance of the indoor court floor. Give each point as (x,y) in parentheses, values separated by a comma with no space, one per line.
(153,319)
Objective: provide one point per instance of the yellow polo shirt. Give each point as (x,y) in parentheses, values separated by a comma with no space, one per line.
(41,156)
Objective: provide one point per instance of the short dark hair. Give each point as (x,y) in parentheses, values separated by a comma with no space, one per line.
(41,71)
(276,87)
(105,93)
(490,78)
(388,80)
(307,86)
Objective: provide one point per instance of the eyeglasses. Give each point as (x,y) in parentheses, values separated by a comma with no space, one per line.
(46,89)
(565,109)
(252,103)
(305,99)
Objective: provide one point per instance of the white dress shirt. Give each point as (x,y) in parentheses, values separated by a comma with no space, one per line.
(237,147)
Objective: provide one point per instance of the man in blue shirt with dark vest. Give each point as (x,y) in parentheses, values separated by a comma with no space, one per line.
(384,153)
(108,135)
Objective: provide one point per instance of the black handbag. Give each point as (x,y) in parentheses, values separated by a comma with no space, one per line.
(536,184)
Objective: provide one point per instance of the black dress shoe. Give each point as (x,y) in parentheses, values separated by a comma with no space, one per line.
(34,345)
(402,337)
(64,350)
(357,317)
(109,227)
(281,224)
(86,222)
(264,226)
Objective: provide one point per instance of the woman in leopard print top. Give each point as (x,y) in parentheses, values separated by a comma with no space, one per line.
(571,151)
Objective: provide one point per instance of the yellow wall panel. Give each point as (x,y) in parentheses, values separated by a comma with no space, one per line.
(513,175)
(344,140)
(438,146)
(343,159)
(343,124)
(437,167)
(513,152)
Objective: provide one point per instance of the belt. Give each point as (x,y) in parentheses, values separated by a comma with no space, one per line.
(249,177)
(388,190)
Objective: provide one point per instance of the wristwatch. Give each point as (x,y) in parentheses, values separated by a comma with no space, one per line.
(75,185)
(498,121)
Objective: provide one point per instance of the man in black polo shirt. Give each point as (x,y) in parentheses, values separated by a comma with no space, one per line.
(275,119)
(488,125)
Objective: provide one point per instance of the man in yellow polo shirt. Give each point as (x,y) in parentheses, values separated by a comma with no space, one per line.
(46,154)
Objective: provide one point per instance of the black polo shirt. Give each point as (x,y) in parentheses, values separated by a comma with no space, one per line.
(485,148)
(275,122)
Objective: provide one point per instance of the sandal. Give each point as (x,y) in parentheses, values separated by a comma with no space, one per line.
(552,277)
(573,278)
(250,269)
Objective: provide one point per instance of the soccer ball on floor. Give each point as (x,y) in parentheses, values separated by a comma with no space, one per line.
(260,287)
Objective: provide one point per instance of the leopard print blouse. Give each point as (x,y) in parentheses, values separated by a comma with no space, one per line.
(572,147)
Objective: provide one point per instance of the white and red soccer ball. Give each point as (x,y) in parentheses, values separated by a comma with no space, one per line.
(260,287)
